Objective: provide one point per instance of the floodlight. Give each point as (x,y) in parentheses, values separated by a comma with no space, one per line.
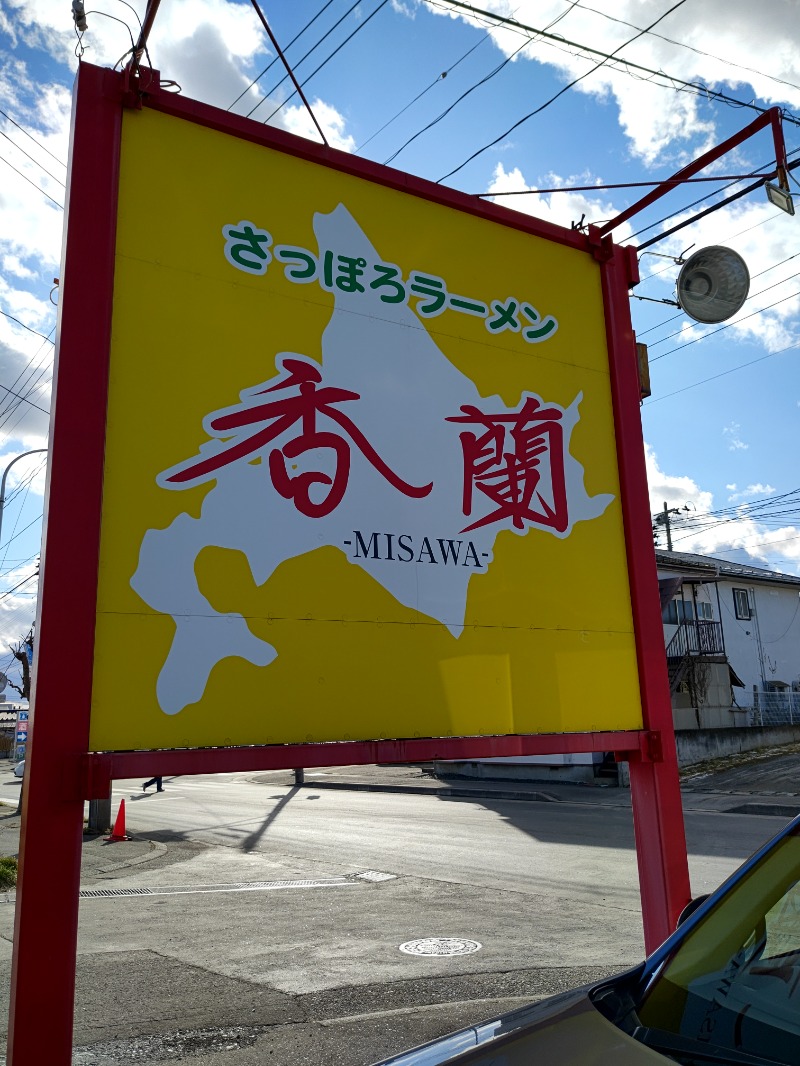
(780,197)
(713,284)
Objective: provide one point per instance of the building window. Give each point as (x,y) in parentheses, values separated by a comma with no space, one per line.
(705,611)
(741,604)
(676,612)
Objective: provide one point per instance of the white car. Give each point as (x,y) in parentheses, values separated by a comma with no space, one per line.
(19,769)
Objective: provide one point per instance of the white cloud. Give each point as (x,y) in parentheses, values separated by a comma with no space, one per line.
(735,442)
(702,530)
(13,265)
(751,491)
(676,491)
(298,120)
(718,43)
(563,208)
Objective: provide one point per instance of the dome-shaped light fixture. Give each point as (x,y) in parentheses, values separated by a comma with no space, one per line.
(713,284)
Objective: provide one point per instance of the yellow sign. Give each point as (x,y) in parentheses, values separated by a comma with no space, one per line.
(361,478)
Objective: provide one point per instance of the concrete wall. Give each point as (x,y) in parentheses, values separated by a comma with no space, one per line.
(716,710)
(693,746)
(696,746)
(547,768)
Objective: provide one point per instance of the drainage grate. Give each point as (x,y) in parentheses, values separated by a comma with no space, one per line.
(254,886)
(440,945)
(375,875)
(89,892)
(241,886)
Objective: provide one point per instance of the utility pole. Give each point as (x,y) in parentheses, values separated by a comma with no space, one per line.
(662,518)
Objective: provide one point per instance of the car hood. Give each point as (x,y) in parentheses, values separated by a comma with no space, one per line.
(564,1029)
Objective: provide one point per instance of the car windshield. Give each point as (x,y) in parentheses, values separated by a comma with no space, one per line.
(731,991)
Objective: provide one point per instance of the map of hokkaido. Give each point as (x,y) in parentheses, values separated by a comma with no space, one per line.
(365,453)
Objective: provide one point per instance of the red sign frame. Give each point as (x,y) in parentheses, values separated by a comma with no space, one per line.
(62,773)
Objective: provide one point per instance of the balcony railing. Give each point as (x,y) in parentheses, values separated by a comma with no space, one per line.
(696,638)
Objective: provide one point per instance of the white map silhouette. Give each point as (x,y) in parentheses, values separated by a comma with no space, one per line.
(408,390)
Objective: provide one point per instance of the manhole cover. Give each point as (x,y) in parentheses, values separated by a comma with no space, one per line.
(440,945)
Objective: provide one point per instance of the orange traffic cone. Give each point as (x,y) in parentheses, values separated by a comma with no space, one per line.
(118,832)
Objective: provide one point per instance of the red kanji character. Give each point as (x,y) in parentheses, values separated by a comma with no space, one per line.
(277,416)
(511,474)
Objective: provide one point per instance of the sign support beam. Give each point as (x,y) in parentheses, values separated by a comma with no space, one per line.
(655,784)
(46,913)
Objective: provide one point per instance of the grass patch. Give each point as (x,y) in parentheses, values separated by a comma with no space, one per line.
(8,872)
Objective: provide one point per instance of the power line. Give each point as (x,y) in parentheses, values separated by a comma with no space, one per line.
(561,91)
(724,373)
(25,483)
(618,64)
(702,199)
(35,161)
(335,52)
(478,84)
(25,581)
(33,384)
(557,41)
(10,405)
(727,325)
(730,237)
(738,513)
(456,102)
(25,398)
(735,508)
(28,328)
(680,314)
(17,518)
(445,73)
(714,207)
(23,530)
(303,58)
(297,87)
(752,296)
(691,48)
(27,134)
(13,408)
(272,62)
(30,182)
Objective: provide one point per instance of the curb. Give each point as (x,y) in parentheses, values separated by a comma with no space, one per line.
(444,792)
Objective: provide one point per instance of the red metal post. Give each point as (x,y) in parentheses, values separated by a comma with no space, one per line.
(767,118)
(655,785)
(46,920)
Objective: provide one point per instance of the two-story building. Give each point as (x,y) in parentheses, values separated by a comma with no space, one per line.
(732,638)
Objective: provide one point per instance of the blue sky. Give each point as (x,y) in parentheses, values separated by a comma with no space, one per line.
(427,85)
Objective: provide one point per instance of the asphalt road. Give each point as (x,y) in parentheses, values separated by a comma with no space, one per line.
(228,961)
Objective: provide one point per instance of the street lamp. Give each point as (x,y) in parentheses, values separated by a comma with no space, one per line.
(24,455)
(36,451)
